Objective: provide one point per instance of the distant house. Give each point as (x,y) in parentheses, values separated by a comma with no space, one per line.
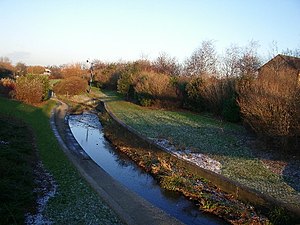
(282,65)
(47,72)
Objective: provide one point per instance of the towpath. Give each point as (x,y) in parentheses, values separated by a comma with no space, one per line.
(131,208)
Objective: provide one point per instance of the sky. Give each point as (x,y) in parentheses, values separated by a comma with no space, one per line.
(55,32)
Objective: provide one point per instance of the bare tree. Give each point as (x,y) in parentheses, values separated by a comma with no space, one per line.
(21,69)
(6,68)
(290,52)
(230,62)
(273,50)
(167,65)
(249,62)
(202,61)
(56,72)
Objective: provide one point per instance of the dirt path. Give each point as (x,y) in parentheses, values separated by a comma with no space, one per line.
(131,208)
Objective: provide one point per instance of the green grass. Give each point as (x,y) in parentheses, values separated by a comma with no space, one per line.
(16,184)
(75,202)
(226,142)
(53,82)
(95,92)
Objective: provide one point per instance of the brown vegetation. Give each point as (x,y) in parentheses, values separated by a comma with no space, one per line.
(165,64)
(56,72)
(71,86)
(107,75)
(21,69)
(271,106)
(154,89)
(6,68)
(229,87)
(7,86)
(37,70)
(72,70)
(31,88)
(213,94)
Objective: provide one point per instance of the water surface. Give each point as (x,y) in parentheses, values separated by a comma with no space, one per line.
(87,130)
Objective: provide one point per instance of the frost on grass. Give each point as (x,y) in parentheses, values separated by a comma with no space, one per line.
(4,142)
(199,159)
(45,189)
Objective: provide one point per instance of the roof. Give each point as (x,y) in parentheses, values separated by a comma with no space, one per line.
(291,61)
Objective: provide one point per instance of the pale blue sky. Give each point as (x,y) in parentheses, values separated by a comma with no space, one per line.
(48,32)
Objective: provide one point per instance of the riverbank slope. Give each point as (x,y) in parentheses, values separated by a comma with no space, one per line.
(63,196)
(131,208)
(231,145)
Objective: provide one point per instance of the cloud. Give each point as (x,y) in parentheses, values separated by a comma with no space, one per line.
(19,56)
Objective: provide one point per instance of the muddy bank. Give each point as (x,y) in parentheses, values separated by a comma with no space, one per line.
(178,175)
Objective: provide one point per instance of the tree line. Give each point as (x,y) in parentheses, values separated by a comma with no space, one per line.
(228,86)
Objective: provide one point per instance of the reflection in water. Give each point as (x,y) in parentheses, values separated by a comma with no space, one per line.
(86,129)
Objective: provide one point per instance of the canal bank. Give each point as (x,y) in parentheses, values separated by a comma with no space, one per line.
(261,202)
(88,132)
(131,208)
(122,132)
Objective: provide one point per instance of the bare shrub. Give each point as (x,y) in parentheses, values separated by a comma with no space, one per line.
(21,69)
(56,72)
(194,89)
(7,86)
(145,65)
(215,95)
(271,106)
(36,70)
(107,75)
(71,86)
(29,89)
(214,91)
(179,83)
(6,68)
(126,79)
(72,70)
(154,89)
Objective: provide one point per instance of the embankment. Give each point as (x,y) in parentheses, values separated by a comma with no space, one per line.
(125,137)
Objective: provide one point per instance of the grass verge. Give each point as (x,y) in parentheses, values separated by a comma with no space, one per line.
(227,143)
(16,157)
(75,202)
(173,175)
